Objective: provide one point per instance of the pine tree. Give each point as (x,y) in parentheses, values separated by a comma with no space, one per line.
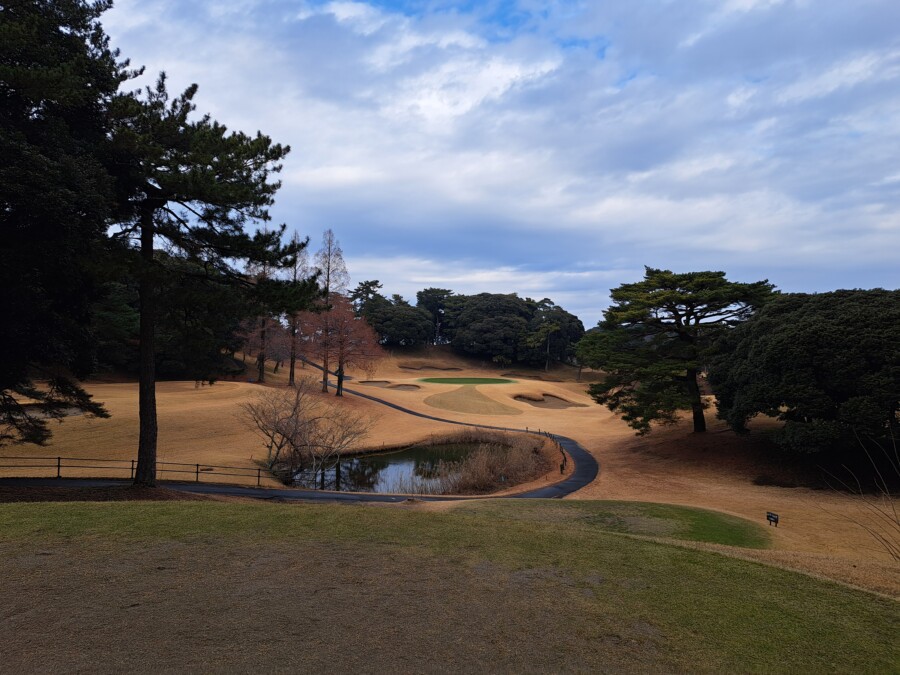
(656,339)
(58,81)
(193,187)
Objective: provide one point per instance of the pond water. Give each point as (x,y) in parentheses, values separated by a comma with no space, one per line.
(385,471)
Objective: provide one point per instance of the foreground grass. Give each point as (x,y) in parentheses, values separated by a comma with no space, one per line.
(630,603)
(654,520)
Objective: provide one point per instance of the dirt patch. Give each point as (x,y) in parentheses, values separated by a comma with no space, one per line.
(429,367)
(219,606)
(376,383)
(548,401)
(404,387)
(467,399)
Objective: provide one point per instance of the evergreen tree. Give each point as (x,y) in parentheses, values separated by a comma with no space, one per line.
(193,187)
(58,81)
(827,365)
(658,336)
(433,301)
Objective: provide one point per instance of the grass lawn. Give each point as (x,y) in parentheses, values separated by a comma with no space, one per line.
(466,380)
(654,520)
(545,585)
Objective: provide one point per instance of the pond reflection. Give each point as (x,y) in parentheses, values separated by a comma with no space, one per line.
(386,472)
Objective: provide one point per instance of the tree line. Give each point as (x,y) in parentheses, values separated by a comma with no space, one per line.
(502,328)
(827,365)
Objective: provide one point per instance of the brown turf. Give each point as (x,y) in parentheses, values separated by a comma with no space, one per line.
(716,470)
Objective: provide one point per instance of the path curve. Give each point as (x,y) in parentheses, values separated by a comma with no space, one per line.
(586,467)
(585,471)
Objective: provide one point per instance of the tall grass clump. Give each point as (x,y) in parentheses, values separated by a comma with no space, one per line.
(498,461)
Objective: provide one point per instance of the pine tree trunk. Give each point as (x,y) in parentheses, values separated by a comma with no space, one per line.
(261,357)
(696,401)
(325,371)
(145,472)
(293,352)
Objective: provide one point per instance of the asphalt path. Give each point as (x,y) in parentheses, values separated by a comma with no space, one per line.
(585,471)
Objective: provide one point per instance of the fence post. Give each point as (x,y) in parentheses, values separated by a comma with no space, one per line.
(59,467)
(198,474)
(258,477)
(132,469)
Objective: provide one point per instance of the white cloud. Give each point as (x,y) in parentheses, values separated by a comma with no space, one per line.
(864,68)
(457,87)
(362,18)
(443,156)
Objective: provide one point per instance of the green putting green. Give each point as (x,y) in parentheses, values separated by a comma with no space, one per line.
(466,380)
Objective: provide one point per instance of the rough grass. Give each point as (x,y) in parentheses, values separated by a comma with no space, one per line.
(564,593)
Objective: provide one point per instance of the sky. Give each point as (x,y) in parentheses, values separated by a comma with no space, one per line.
(555,148)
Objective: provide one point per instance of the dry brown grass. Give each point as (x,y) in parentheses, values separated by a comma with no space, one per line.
(470,400)
(715,470)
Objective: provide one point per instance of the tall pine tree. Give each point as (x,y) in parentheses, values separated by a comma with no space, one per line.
(58,80)
(656,339)
(193,187)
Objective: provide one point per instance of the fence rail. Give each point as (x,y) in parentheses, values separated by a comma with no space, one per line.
(59,463)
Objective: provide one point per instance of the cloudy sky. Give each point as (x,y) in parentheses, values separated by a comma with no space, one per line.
(555,148)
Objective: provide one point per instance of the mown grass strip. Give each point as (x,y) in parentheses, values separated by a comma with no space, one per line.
(649,519)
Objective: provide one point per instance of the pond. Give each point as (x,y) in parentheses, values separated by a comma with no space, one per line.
(385,472)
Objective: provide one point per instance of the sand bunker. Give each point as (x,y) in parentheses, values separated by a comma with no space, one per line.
(376,383)
(404,387)
(548,401)
(468,399)
(411,367)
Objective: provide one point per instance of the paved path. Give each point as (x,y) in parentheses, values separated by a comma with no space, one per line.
(586,470)
(586,467)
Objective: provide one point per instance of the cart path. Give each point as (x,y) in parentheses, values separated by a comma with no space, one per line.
(585,471)
(586,467)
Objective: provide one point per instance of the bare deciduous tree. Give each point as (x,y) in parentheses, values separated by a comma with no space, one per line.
(333,278)
(303,430)
(339,336)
